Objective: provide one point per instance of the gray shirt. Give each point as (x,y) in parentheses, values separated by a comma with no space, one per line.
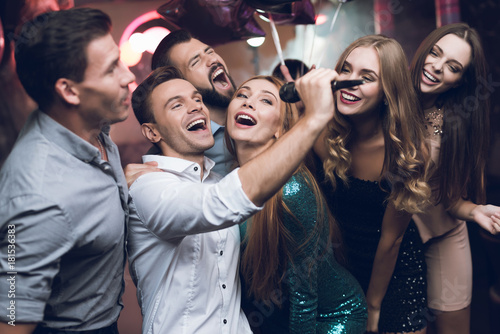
(219,153)
(63,212)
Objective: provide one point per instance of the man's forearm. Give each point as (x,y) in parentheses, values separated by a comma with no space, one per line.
(17,329)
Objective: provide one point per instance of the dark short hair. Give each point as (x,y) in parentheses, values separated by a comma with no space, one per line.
(53,46)
(297,68)
(161,56)
(141,97)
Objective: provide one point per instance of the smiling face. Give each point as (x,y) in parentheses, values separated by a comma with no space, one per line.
(205,69)
(182,125)
(445,65)
(362,63)
(104,95)
(254,114)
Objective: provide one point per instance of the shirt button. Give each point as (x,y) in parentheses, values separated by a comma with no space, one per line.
(221,252)
(223,286)
(196,169)
(224,321)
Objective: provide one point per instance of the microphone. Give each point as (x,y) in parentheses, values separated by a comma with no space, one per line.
(289,94)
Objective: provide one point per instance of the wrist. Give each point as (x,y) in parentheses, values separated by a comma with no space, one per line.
(372,307)
(473,212)
(315,123)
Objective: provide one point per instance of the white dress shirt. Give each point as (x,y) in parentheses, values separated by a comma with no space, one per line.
(183,247)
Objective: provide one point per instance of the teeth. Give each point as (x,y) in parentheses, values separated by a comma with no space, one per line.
(350,97)
(217,73)
(190,125)
(430,77)
(246,117)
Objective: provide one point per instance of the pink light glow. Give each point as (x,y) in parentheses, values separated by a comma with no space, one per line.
(320,19)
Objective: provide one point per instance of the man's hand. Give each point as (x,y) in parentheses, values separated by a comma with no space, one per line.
(133,171)
(315,91)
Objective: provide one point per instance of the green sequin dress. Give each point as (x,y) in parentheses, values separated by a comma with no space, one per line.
(319,298)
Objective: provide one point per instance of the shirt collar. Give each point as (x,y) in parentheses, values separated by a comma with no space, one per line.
(68,140)
(215,127)
(181,166)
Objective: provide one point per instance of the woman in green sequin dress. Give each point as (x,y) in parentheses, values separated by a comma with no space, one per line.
(292,282)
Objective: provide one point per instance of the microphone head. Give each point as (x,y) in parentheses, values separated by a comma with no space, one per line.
(288,93)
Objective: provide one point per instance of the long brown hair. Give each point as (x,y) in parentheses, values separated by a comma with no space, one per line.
(402,123)
(267,252)
(465,139)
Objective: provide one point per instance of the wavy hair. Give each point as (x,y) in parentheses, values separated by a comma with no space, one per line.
(465,140)
(269,244)
(405,165)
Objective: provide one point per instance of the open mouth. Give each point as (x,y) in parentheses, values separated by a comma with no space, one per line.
(199,124)
(349,97)
(430,77)
(220,79)
(245,119)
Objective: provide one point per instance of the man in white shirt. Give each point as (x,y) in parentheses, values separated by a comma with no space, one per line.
(207,71)
(183,239)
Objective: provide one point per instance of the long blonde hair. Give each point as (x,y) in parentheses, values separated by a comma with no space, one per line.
(267,252)
(404,166)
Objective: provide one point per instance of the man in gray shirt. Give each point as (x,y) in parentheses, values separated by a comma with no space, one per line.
(63,196)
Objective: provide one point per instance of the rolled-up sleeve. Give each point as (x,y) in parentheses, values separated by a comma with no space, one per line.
(34,236)
(173,208)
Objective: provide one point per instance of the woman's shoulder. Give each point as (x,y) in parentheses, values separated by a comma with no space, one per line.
(298,191)
(300,182)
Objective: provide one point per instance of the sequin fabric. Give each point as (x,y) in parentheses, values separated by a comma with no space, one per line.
(359,210)
(320,296)
(434,121)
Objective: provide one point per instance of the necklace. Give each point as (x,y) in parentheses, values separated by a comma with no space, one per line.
(434,121)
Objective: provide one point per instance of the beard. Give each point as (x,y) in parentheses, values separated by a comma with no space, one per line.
(212,96)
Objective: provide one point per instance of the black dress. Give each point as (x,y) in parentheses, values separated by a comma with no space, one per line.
(359,209)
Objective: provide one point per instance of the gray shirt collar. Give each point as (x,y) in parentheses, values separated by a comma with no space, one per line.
(68,140)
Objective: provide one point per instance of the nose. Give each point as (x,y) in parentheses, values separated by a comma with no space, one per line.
(127,77)
(438,64)
(349,76)
(195,106)
(248,104)
(211,59)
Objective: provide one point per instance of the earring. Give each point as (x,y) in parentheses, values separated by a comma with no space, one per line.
(386,103)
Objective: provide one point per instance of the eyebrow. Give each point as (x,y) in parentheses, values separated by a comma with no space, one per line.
(178,97)
(198,54)
(263,91)
(266,91)
(364,70)
(451,60)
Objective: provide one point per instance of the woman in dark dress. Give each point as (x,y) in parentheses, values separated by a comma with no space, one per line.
(292,281)
(374,162)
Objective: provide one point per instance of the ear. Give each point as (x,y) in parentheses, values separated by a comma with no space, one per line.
(150,132)
(66,89)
